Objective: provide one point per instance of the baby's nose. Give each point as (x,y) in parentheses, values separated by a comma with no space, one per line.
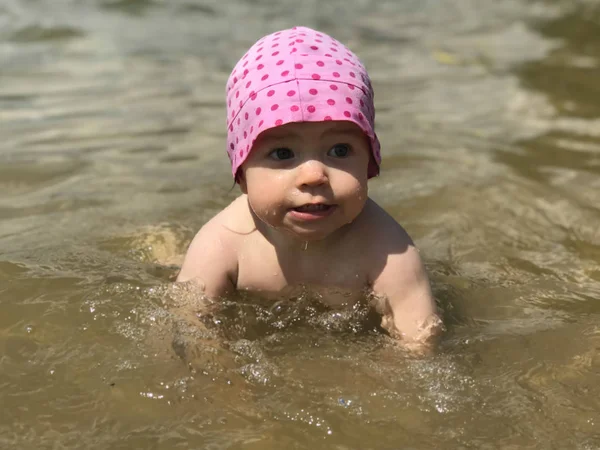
(312,173)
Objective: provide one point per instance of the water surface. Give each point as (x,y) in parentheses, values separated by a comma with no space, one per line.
(112,156)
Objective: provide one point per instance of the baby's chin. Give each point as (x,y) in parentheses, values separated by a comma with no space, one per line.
(312,234)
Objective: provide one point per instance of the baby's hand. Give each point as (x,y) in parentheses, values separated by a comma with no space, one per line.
(424,341)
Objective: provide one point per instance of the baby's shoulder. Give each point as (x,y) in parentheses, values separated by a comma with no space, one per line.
(235,219)
(380,230)
(387,248)
(213,253)
(229,226)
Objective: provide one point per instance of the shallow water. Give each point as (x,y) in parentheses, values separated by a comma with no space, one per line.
(112,156)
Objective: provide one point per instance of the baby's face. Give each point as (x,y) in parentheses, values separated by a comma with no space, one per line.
(308,179)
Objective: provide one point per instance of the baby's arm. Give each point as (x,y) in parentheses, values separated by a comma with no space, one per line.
(409,312)
(211,260)
(402,287)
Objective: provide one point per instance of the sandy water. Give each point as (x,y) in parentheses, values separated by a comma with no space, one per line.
(112,156)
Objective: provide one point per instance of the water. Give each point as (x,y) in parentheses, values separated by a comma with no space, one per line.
(112,156)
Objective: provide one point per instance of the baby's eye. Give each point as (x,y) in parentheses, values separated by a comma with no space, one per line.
(339,150)
(281,153)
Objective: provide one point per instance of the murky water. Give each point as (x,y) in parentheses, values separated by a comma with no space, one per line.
(112,156)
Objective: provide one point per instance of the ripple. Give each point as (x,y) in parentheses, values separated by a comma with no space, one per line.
(12,270)
(40,33)
(134,7)
(187,7)
(29,176)
(47,208)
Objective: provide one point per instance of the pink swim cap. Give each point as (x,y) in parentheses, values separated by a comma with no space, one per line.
(297,75)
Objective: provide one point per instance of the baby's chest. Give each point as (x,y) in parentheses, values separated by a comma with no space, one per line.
(334,281)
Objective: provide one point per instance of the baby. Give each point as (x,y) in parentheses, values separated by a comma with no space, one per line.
(302,145)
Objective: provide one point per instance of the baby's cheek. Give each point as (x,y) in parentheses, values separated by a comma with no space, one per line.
(267,212)
(356,196)
(269,206)
(361,193)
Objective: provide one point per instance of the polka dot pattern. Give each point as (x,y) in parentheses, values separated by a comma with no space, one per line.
(293,76)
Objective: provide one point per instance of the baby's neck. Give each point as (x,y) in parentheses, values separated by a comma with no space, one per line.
(296,245)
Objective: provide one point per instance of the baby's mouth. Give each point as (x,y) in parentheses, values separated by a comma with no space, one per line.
(313,207)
